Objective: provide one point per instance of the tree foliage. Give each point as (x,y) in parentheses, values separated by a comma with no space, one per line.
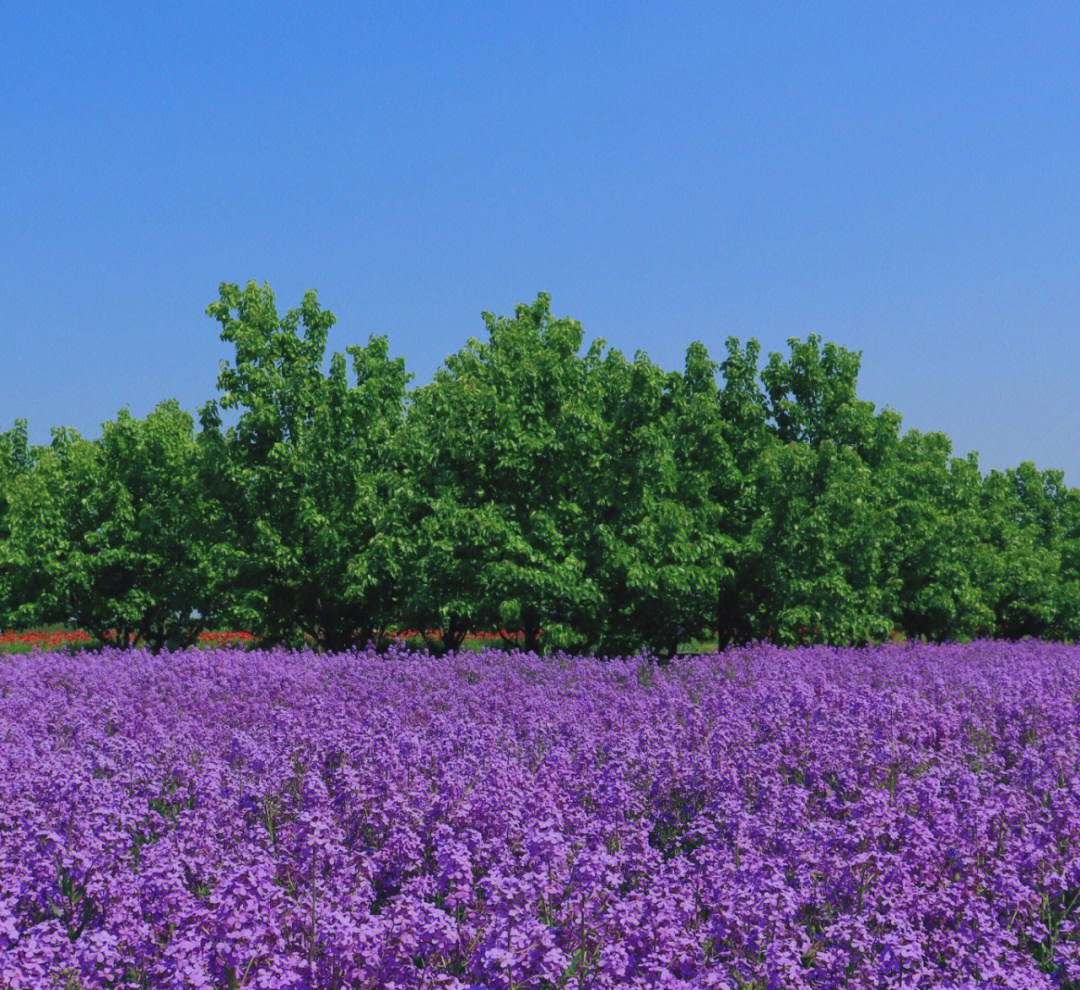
(505,443)
(109,534)
(311,472)
(540,485)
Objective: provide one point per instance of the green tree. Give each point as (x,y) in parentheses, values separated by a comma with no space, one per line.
(15,462)
(661,534)
(811,397)
(504,440)
(1023,511)
(138,559)
(108,534)
(310,472)
(42,503)
(569,495)
(818,545)
(1067,591)
(939,548)
(813,523)
(744,410)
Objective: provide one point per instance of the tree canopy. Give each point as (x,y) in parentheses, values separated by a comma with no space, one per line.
(541,486)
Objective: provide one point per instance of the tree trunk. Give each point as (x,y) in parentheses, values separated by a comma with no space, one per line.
(727,617)
(531,628)
(454,635)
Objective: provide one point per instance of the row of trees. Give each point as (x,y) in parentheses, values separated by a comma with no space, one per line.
(576,497)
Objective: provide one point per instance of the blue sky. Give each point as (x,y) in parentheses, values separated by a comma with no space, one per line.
(900,178)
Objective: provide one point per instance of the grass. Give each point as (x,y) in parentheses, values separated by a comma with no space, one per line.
(699,647)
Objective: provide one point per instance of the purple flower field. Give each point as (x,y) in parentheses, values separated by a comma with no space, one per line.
(892,817)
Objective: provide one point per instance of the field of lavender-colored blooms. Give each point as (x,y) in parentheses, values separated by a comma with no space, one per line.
(903,816)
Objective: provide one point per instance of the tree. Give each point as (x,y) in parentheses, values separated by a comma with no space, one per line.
(42,504)
(143,555)
(15,462)
(818,546)
(811,398)
(108,534)
(566,494)
(1023,511)
(814,524)
(939,548)
(660,506)
(744,410)
(1067,591)
(505,439)
(311,468)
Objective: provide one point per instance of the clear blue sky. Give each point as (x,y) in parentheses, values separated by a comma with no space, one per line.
(901,178)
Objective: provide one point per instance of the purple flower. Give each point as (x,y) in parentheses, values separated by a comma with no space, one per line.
(903,816)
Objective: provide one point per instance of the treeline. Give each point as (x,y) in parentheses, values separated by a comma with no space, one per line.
(575,497)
